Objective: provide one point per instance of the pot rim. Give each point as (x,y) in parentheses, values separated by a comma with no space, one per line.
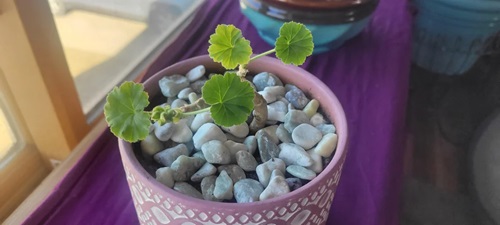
(320,89)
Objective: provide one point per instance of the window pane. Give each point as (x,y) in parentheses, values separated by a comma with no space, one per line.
(7,138)
(108,41)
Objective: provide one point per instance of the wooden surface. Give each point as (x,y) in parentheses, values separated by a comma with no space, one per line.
(34,65)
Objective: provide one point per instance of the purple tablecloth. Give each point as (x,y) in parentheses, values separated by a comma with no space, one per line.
(369,75)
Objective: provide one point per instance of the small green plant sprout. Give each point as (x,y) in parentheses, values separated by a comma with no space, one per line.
(230,98)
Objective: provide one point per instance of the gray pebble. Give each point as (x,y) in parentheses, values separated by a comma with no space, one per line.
(187,189)
(311,108)
(272,93)
(290,107)
(235,147)
(297,98)
(251,143)
(293,183)
(199,154)
(293,154)
(283,99)
(193,97)
(169,101)
(182,132)
(190,146)
(317,165)
(184,93)
(277,111)
(268,97)
(247,190)
(326,128)
(169,155)
(283,135)
(196,73)
(306,136)
(294,118)
(189,120)
(271,131)
(301,172)
(240,130)
(264,170)
(277,173)
(271,122)
(317,119)
(234,171)
(277,91)
(185,167)
(171,85)
(208,132)
(277,187)
(223,187)
(200,120)
(289,87)
(177,103)
(198,85)
(207,188)
(151,145)
(206,170)
(327,145)
(265,79)
(234,138)
(267,147)
(165,175)
(246,161)
(164,132)
(216,152)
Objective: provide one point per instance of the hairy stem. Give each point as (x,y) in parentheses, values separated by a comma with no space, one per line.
(186,114)
(259,113)
(263,54)
(197,105)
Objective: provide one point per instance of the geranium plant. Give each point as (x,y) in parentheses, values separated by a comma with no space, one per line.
(230,98)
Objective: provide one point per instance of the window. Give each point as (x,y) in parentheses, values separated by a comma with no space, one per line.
(49,106)
(106,42)
(7,138)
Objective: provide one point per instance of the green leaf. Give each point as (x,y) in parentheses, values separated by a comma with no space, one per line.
(124,112)
(294,43)
(231,99)
(228,47)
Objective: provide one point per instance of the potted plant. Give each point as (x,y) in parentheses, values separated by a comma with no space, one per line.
(199,144)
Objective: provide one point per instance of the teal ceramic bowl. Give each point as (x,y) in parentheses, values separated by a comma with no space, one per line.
(330,28)
(450,35)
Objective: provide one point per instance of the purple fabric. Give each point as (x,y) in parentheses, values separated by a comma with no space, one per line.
(369,75)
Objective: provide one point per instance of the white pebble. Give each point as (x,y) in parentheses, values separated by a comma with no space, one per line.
(240,130)
(196,73)
(327,145)
(293,154)
(306,136)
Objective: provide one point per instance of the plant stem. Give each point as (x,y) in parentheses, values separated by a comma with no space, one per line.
(263,54)
(196,112)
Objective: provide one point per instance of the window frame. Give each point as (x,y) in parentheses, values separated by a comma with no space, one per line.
(34,74)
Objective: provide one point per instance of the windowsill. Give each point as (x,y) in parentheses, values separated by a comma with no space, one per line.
(51,181)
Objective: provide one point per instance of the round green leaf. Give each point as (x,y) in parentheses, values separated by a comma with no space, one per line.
(124,112)
(230,99)
(228,47)
(294,43)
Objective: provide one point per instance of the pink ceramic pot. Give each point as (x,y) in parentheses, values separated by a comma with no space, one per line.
(310,204)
